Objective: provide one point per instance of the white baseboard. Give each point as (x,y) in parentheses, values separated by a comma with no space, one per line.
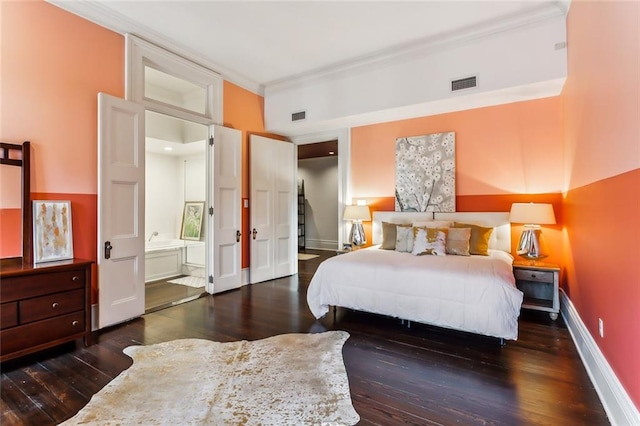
(616,401)
(321,244)
(244,276)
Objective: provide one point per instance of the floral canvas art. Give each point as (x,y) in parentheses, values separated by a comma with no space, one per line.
(53,239)
(426,173)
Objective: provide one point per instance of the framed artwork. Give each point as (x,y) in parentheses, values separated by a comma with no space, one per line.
(52,233)
(426,173)
(192,220)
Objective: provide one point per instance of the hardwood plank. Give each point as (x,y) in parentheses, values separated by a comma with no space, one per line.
(398,375)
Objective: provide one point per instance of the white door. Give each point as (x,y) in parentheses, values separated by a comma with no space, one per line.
(273,238)
(121,183)
(226,220)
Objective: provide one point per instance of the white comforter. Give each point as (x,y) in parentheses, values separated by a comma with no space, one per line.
(469,293)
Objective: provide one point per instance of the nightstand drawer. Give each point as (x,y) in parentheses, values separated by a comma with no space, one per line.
(8,315)
(530,275)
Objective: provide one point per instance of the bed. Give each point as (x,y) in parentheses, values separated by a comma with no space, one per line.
(471,293)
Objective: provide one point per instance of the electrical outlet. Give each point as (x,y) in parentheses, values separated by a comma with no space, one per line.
(601,327)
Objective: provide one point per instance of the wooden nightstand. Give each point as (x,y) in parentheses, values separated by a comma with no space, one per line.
(539,283)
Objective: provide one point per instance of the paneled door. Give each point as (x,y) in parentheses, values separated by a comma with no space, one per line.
(273,209)
(225,214)
(121,206)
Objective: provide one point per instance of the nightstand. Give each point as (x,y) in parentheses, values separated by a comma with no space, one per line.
(539,283)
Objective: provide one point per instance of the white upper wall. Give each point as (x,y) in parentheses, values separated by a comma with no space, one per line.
(514,65)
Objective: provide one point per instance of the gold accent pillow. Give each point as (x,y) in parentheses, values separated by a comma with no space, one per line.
(479,242)
(389,235)
(458,241)
(431,241)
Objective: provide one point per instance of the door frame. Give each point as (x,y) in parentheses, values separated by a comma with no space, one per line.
(344,169)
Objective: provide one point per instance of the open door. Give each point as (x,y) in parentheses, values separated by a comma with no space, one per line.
(121,183)
(225,216)
(273,209)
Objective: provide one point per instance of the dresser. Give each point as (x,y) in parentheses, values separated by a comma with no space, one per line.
(44,305)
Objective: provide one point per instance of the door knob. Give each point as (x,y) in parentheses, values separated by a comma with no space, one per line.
(254,232)
(238,235)
(107,249)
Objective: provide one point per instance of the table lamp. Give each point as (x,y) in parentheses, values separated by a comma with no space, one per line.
(357,214)
(532,245)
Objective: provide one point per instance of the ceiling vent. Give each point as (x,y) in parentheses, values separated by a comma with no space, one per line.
(464,83)
(297,116)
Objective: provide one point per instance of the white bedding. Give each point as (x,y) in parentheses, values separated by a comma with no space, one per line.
(469,293)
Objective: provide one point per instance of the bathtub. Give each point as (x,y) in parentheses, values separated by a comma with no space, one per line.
(166,258)
(162,259)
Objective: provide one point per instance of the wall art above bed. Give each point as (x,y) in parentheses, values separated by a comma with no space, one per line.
(426,173)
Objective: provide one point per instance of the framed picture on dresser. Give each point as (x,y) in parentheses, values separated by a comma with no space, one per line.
(52,231)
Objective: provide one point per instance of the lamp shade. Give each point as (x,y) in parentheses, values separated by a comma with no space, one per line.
(532,213)
(356,213)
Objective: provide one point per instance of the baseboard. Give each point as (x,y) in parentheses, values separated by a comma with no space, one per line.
(616,401)
(244,276)
(321,244)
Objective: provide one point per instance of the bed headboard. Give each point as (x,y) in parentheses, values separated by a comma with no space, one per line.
(500,238)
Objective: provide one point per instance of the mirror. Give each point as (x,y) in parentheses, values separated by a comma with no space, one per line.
(15,203)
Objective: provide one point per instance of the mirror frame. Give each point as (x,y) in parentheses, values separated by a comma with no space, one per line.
(27,212)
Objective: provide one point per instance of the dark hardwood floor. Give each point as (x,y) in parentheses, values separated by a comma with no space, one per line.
(163,294)
(420,375)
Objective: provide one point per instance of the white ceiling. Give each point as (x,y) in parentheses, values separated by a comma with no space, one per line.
(260,43)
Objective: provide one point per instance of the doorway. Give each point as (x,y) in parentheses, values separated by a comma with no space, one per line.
(318,221)
(175,195)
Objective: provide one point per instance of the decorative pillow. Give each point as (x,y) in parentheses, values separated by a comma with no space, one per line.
(433,224)
(479,242)
(458,241)
(389,235)
(429,241)
(404,238)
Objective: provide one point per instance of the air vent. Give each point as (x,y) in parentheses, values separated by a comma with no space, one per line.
(297,116)
(464,83)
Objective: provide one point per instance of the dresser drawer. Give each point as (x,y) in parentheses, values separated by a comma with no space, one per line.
(8,315)
(531,275)
(23,287)
(51,305)
(32,335)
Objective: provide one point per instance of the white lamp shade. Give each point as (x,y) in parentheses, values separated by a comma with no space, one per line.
(357,213)
(532,213)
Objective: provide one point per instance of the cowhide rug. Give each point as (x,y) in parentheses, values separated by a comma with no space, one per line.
(290,379)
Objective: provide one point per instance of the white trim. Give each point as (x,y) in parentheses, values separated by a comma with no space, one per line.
(141,53)
(616,401)
(244,276)
(315,244)
(344,170)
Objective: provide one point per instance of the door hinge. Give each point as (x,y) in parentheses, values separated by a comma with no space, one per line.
(211,279)
(211,211)
(211,140)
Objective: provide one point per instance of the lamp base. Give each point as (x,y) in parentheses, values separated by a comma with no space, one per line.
(532,245)
(357,236)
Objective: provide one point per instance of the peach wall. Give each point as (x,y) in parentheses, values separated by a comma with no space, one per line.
(499,150)
(603,128)
(602,138)
(53,66)
(244,110)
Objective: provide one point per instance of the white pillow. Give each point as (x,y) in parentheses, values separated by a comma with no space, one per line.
(404,239)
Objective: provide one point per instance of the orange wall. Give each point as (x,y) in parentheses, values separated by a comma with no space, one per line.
(244,110)
(504,154)
(602,204)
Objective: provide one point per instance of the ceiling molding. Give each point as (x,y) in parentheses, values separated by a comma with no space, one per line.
(535,15)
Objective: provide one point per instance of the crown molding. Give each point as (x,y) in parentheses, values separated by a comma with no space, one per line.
(535,15)
(107,18)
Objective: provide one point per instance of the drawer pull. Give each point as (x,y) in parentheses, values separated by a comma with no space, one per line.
(74,323)
(75,278)
(55,305)
(533,275)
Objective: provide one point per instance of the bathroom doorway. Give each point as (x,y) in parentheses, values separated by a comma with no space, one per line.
(175,213)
